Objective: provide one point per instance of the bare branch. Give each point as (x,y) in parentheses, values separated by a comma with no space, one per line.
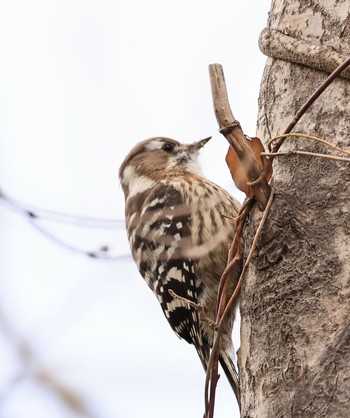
(307,154)
(54,216)
(35,215)
(232,131)
(314,138)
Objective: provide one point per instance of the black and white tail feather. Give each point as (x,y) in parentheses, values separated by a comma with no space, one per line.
(231,374)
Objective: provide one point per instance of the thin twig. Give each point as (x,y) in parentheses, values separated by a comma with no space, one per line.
(213,354)
(38,213)
(212,375)
(250,255)
(35,215)
(307,154)
(234,256)
(213,360)
(222,290)
(311,100)
(186,301)
(197,306)
(214,378)
(314,138)
(102,253)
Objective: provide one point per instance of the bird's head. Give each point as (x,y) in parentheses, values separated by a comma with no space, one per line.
(158,157)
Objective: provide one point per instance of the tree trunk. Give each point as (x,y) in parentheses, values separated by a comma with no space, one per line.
(295,304)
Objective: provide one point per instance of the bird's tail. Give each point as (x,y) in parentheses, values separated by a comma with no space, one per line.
(203,352)
(231,374)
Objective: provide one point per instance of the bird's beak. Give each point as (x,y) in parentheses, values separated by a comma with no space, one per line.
(196,146)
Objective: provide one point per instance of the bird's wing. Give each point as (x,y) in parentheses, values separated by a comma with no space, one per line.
(165,230)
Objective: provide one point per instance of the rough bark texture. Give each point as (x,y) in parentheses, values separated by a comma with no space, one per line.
(295,304)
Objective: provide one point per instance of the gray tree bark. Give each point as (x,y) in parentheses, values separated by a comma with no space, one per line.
(295,303)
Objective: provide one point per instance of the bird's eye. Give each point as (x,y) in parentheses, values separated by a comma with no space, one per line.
(168,147)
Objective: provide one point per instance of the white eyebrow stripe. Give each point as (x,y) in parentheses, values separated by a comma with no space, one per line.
(155,144)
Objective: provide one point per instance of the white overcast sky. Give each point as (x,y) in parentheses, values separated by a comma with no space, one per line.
(80,83)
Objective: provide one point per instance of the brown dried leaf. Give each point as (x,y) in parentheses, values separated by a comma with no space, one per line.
(237,170)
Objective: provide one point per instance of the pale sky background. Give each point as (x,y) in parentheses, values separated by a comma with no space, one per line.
(80,83)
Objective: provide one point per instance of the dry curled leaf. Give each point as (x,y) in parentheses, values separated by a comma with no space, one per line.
(238,171)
